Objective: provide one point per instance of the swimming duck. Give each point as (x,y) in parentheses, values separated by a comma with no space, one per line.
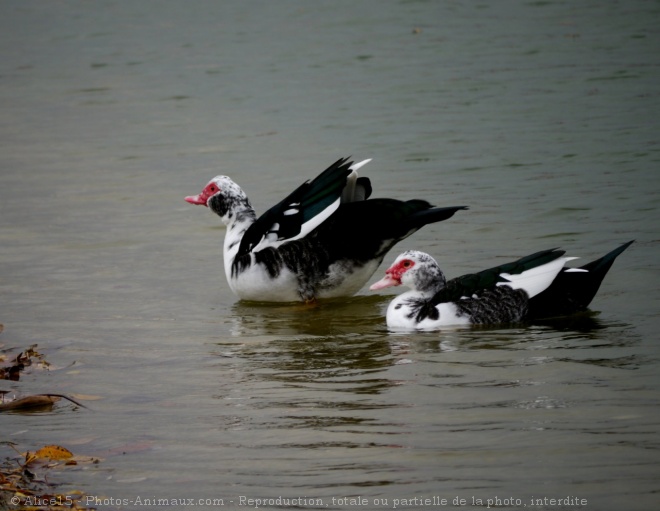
(535,286)
(324,240)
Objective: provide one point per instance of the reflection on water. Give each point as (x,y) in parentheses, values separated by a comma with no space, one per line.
(373,402)
(349,316)
(276,348)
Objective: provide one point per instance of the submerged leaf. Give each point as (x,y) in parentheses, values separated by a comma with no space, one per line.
(29,402)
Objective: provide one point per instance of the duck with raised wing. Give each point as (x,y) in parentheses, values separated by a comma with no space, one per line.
(324,240)
(536,286)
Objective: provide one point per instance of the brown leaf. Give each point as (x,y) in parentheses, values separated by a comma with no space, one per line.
(54,452)
(29,402)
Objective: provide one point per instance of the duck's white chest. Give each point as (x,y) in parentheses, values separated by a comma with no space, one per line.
(255,284)
(264,280)
(403,315)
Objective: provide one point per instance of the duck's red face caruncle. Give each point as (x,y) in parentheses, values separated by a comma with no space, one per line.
(201,200)
(394,274)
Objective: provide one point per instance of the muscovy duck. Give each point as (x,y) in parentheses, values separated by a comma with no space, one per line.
(533,287)
(324,240)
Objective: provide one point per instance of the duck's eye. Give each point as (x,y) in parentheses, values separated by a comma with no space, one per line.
(407,263)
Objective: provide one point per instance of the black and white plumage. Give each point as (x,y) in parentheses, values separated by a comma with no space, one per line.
(324,240)
(535,286)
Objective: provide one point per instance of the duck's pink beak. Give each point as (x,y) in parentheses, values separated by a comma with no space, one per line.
(198,200)
(386,281)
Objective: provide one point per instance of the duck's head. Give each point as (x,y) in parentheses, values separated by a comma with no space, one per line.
(414,269)
(221,194)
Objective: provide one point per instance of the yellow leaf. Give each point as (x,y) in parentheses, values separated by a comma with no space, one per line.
(54,452)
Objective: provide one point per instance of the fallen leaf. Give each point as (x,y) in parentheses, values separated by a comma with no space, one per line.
(54,452)
(29,402)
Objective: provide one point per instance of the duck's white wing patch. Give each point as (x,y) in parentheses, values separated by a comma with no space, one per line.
(317,220)
(305,202)
(305,228)
(537,279)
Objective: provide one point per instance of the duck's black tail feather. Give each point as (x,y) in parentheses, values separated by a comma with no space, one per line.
(573,291)
(365,230)
(422,213)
